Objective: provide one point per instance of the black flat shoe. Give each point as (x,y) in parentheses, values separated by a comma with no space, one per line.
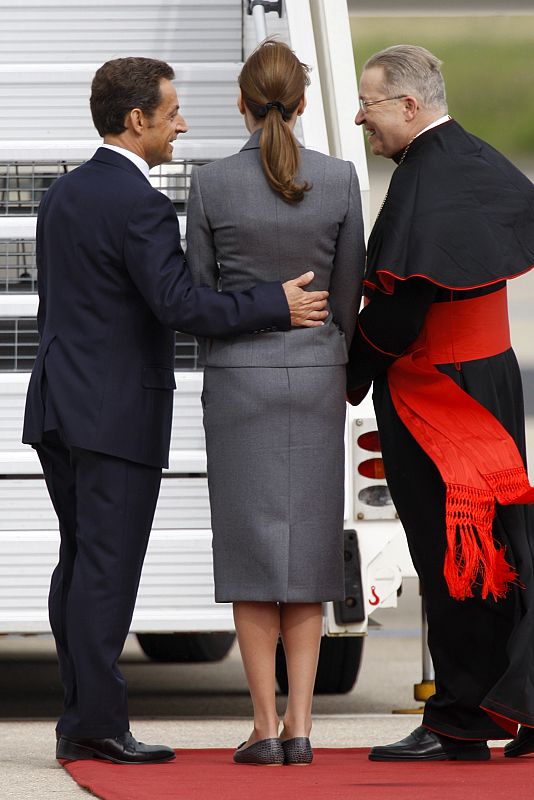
(268,752)
(425,745)
(297,751)
(123,749)
(522,744)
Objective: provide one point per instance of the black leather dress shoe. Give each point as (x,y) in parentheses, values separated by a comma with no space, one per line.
(266,752)
(425,745)
(522,745)
(123,749)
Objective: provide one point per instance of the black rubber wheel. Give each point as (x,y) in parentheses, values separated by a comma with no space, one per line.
(186,647)
(339,663)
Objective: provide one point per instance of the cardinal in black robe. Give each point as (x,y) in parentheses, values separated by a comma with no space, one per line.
(456,225)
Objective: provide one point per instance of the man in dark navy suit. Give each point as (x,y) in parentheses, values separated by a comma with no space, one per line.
(113,287)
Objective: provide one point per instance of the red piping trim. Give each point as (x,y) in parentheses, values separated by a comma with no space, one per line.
(510,725)
(375,347)
(450,736)
(377,287)
(509,708)
(444,285)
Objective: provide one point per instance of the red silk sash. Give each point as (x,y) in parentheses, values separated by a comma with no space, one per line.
(476,457)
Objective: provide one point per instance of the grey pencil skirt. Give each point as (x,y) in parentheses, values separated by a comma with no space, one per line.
(275,445)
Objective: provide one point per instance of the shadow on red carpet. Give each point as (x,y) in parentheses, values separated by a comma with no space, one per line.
(336,774)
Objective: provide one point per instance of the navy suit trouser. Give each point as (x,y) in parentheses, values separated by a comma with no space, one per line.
(105,507)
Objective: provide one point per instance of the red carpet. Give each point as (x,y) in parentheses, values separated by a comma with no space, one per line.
(336,774)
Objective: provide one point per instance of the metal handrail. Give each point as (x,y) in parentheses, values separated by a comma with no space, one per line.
(258,9)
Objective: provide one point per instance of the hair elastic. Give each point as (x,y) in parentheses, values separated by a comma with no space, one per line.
(272,104)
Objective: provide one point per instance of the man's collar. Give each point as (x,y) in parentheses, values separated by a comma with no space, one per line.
(139,162)
(440,121)
(398,158)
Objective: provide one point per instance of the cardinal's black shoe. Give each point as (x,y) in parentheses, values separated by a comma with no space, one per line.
(123,749)
(425,745)
(522,745)
(268,752)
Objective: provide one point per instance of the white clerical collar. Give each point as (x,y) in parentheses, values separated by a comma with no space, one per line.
(139,162)
(440,121)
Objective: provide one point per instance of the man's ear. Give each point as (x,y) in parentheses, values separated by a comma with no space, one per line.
(135,121)
(241,104)
(411,107)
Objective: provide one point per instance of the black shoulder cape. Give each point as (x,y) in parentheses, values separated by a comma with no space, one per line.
(457,213)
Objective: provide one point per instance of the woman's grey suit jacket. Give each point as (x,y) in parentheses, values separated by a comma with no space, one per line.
(275,425)
(241,232)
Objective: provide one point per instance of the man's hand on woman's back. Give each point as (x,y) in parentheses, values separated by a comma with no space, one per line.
(307,309)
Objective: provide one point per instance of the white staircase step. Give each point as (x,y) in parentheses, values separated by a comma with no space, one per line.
(17,306)
(13,227)
(58,96)
(73,31)
(17,227)
(185,148)
(187,450)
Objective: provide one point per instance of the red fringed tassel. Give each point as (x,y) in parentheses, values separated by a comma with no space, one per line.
(510,486)
(473,556)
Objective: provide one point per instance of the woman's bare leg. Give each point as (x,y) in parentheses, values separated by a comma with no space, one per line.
(258,628)
(301,627)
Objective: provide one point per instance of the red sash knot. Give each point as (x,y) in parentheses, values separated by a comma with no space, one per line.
(477,458)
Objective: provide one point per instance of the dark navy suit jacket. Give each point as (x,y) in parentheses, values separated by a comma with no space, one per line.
(113,286)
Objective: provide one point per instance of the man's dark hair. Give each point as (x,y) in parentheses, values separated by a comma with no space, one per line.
(122,84)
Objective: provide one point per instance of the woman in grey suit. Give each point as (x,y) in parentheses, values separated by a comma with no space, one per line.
(274,402)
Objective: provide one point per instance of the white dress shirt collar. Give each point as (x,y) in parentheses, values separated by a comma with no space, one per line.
(440,121)
(139,162)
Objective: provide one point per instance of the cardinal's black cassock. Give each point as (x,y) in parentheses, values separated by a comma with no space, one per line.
(457,223)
